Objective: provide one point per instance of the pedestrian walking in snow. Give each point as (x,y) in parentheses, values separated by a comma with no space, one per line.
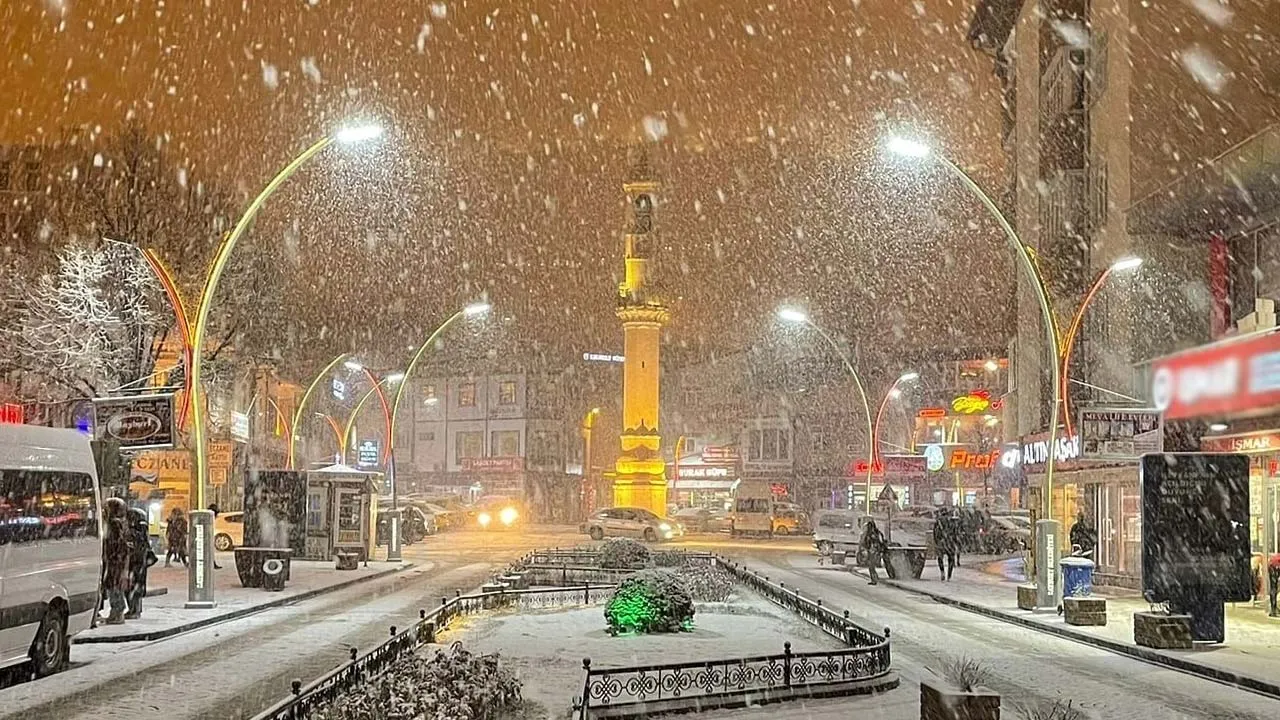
(141,558)
(947,541)
(175,536)
(873,544)
(116,547)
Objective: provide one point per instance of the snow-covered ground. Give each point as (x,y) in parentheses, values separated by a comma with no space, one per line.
(546,648)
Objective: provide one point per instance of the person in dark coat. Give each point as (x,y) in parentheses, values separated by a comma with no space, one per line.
(141,558)
(1083,537)
(116,549)
(874,545)
(175,536)
(947,541)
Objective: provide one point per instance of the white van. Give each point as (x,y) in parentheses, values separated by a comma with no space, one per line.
(50,544)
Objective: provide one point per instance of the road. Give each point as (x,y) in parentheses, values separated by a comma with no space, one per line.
(1028,666)
(237,668)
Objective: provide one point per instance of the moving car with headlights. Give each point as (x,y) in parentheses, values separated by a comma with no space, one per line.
(496,512)
(631,522)
(702,520)
(50,544)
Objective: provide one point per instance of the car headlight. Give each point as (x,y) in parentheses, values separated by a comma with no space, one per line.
(484,519)
(508,515)
(664,527)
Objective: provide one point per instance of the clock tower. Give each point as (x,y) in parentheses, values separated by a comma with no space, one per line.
(639,478)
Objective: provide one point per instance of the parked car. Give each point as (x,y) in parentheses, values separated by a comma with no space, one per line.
(1007,534)
(702,520)
(228,531)
(631,522)
(790,521)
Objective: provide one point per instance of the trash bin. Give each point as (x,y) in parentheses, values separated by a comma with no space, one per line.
(273,574)
(1077,576)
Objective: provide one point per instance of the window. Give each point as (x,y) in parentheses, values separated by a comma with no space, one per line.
(429,394)
(504,443)
(41,505)
(5,169)
(427,436)
(769,444)
(467,394)
(752,505)
(32,175)
(469,444)
(544,449)
(507,392)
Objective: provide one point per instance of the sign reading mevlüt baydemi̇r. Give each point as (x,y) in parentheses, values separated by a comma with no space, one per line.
(1195,527)
(139,422)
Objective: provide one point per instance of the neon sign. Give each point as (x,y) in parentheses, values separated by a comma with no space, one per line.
(11,414)
(932,413)
(978,401)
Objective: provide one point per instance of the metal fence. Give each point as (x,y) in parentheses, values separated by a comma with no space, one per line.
(707,684)
(305,700)
(649,689)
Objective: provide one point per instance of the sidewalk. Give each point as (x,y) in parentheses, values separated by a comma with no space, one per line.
(1250,657)
(164,615)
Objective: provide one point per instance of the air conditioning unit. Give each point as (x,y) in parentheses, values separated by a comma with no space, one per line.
(1263,317)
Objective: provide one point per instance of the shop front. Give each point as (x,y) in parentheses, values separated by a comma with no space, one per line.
(701,485)
(1263,449)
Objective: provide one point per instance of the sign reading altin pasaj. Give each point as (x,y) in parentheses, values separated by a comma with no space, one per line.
(140,422)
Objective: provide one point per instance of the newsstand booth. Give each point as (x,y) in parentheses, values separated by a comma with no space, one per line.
(341,512)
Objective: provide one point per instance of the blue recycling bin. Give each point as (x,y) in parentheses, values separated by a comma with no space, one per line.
(1077,576)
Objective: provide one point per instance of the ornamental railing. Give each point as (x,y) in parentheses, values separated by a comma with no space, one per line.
(708,684)
(304,700)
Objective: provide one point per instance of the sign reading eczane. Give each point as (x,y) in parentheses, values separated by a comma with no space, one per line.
(141,422)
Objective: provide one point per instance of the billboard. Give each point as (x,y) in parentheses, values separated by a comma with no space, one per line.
(140,422)
(1120,433)
(1235,377)
(1195,527)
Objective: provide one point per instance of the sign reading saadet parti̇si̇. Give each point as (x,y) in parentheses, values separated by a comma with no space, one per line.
(139,422)
(1195,527)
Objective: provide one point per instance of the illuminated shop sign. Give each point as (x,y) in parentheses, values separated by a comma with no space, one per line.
(932,413)
(602,357)
(1036,451)
(976,402)
(705,472)
(1240,376)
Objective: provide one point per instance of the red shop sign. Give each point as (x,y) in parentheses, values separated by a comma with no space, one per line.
(1229,378)
(11,414)
(1258,442)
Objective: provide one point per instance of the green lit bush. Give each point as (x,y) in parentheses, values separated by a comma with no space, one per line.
(651,601)
(624,553)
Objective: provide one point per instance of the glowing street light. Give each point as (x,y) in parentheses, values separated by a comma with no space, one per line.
(914,149)
(893,392)
(353,365)
(198,411)
(472,310)
(358,134)
(1124,264)
(800,317)
(907,147)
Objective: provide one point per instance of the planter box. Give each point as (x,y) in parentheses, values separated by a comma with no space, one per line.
(940,702)
(1162,631)
(346,561)
(249,562)
(904,562)
(1026,596)
(1085,610)
(518,580)
(837,557)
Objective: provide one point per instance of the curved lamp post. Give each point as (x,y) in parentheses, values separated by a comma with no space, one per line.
(891,392)
(1068,342)
(337,432)
(794,315)
(302,404)
(345,136)
(913,149)
(382,398)
(480,308)
(355,412)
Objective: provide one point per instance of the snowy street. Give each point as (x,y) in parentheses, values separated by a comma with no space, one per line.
(237,668)
(1028,665)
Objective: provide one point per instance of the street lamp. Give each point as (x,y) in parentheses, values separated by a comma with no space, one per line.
(893,392)
(588,424)
(203,523)
(472,310)
(800,317)
(355,413)
(915,149)
(1068,343)
(302,404)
